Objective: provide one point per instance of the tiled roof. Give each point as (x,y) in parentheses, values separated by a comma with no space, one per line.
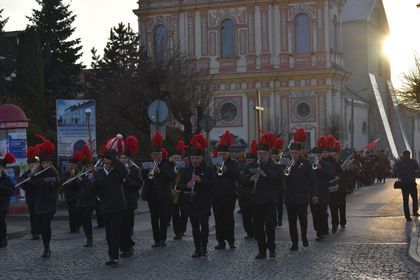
(356,10)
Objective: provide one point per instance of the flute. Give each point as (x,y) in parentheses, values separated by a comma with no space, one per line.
(29,178)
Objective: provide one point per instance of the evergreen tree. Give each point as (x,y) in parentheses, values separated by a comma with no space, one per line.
(7,64)
(60,53)
(30,78)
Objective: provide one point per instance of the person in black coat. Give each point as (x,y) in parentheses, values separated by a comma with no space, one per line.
(406,172)
(33,167)
(224,194)
(71,191)
(276,155)
(301,189)
(337,201)
(265,176)
(109,182)
(132,185)
(6,190)
(197,182)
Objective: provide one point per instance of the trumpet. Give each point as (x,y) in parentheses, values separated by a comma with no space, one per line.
(220,169)
(288,169)
(152,171)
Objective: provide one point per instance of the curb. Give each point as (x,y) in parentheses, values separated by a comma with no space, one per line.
(414,248)
(18,234)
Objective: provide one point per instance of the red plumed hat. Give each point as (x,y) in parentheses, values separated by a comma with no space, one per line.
(165,153)
(9,158)
(32,152)
(267,140)
(157,140)
(87,153)
(116,144)
(216,152)
(76,157)
(337,146)
(181,147)
(330,141)
(131,146)
(300,135)
(278,144)
(254,147)
(102,149)
(198,144)
(226,140)
(322,142)
(46,147)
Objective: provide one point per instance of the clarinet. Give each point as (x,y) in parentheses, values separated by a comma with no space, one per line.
(254,188)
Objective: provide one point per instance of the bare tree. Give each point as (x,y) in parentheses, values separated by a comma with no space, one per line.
(409,94)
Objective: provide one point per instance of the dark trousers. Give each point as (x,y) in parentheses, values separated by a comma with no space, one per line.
(126,241)
(159,214)
(223,209)
(179,220)
(295,211)
(113,221)
(35,230)
(320,218)
(99,216)
(280,209)
(200,230)
(3,228)
(407,191)
(265,226)
(247,220)
(45,225)
(74,216)
(338,208)
(86,217)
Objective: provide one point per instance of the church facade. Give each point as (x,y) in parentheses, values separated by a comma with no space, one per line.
(288,50)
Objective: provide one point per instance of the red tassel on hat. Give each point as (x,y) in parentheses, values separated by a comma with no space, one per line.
(165,153)
(116,143)
(77,156)
(254,147)
(199,142)
(132,145)
(227,139)
(86,152)
(330,141)
(32,152)
(215,152)
(337,146)
(157,139)
(322,142)
(103,149)
(300,135)
(181,147)
(268,138)
(9,158)
(46,147)
(278,144)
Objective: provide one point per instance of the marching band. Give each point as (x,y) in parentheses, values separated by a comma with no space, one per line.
(179,188)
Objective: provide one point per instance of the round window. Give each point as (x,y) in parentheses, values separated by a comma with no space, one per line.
(228,112)
(303,110)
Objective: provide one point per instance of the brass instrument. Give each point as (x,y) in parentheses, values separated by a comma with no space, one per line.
(151,174)
(220,169)
(29,178)
(288,169)
(314,160)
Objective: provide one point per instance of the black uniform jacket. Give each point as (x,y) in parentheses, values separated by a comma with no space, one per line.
(6,190)
(27,187)
(324,174)
(160,187)
(226,184)
(71,190)
(300,184)
(45,187)
(110,188)
(406,170)
(87,193)
(199,204)
(245,188)
(266,191)
(132,186)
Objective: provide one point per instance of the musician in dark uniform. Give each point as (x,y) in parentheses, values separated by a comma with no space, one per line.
(179,218)
(109,182)
(71,191)
(245,195)
(33,166)
(337,195)
(265,176)
(45,188)
(324,173)
(224,194)
(275,156)
(6,190)
(196,183)
(132,185)
(301,190)
(158,187)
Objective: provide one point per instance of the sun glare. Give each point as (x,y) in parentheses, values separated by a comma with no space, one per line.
(388,47)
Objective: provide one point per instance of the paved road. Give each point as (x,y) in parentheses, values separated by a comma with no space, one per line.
(373,246)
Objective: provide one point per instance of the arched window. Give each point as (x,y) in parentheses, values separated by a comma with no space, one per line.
(227,38)
(302,34)
(160,44)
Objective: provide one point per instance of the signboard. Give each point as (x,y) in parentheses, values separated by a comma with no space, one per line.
(72,128)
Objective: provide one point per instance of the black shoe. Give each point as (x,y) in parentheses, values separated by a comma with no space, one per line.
(204,252)
(112,262)
(249,237)
(178,237)
(294,247)
(261,255)
(305,242)
(89,243)
(46,254)
(334,229)
(162,244)
(272,254)
(232,245)
(416,214)
(35,237)
(279,224)
(343,226)
(220,246)
(128,253)
(408,219)
(156,245)
(196,254)
(320,238)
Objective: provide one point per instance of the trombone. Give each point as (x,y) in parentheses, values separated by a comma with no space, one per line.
(288,169)
(151,174)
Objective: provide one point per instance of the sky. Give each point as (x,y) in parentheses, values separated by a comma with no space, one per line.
(96,17)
